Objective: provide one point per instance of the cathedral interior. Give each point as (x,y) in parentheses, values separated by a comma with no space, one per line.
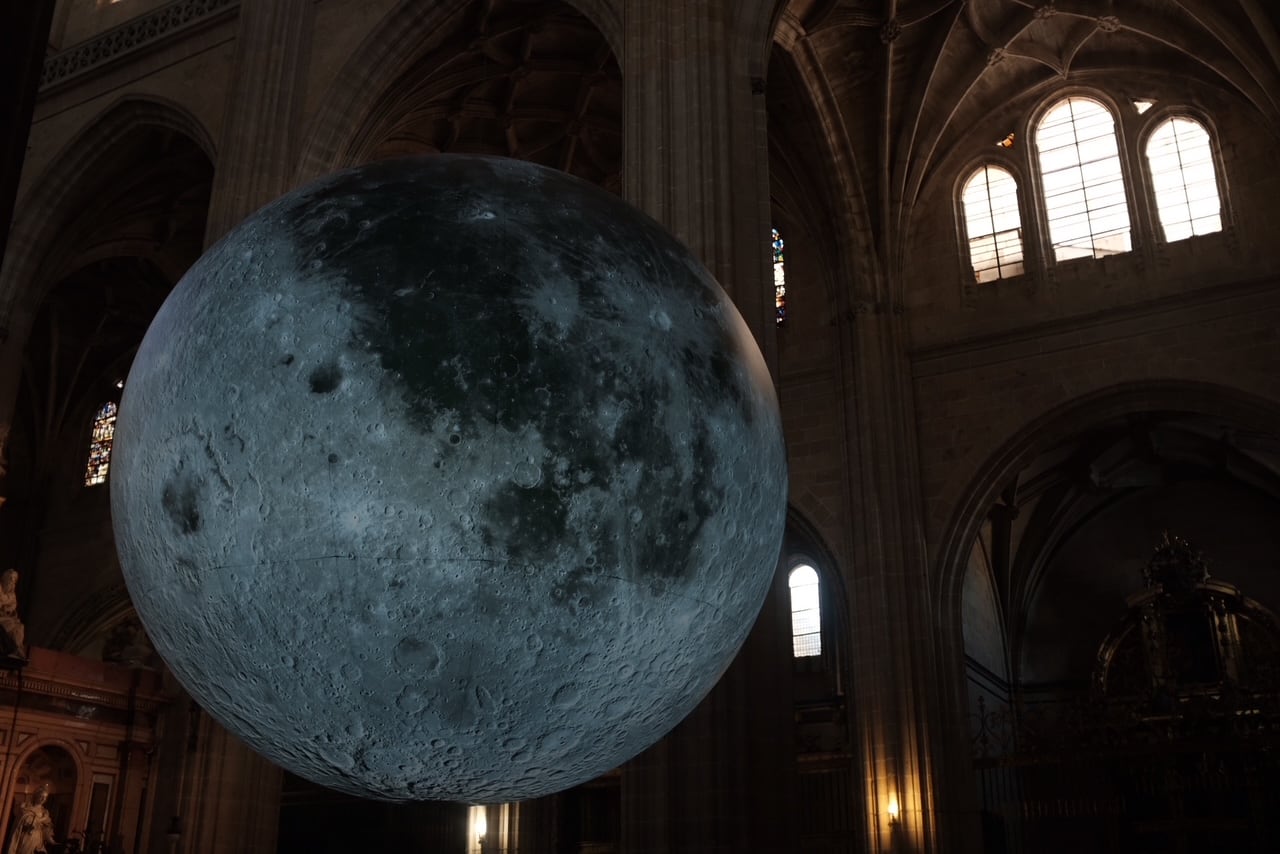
(1012,264)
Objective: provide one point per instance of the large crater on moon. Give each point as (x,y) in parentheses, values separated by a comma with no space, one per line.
(450,478)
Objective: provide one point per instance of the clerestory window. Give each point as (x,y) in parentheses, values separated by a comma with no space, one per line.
(993,224)
(1084,196)
(1183,179)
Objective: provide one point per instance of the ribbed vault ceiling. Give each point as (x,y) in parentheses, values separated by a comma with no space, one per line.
(529,79)
(909,79)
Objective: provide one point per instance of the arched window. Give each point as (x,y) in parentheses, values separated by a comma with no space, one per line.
(104,430)
(1182,175)
(1084,198)
(779,279)
(991,218)
(806,613)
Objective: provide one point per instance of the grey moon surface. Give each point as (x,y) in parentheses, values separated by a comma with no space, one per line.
(448,478)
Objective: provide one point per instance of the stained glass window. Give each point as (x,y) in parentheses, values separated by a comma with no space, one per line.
(993,224)
(779,279)
(104,430)
(1184,180)
(1084,197)
(806,612)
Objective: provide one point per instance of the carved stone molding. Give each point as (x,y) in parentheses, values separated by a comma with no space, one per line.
(76,695)
(130,36)
(1108,23)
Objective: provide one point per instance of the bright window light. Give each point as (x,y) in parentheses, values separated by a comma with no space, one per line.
(993,224)
(1183,178)
(806,612)
(779,278)
(104,431)
(1084,195)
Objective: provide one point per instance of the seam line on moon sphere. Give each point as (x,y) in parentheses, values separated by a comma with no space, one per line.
(527,567)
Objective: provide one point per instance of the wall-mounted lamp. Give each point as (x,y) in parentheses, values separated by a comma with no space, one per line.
(893,809)
(478,827)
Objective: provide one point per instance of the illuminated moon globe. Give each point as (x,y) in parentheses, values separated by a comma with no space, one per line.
(448,478)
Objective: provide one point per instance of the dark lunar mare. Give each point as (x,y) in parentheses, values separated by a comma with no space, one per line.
(448,478)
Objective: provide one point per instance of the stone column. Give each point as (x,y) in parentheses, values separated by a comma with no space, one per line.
(257,154)
(897,698)
(235,806)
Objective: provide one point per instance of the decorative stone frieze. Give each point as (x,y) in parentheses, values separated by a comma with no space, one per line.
(130,36)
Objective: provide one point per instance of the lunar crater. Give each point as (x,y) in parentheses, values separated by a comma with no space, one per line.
(523,505)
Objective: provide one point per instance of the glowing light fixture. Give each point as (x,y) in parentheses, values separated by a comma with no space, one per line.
(478,829)
(893,809)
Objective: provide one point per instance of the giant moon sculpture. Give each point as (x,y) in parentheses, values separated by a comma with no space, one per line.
(449,478)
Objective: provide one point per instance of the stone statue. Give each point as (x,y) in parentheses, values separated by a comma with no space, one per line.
(32,828)
(13,640)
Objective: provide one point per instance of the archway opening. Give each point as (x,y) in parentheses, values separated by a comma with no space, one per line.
(138,225)
(1061,559)
(46,780)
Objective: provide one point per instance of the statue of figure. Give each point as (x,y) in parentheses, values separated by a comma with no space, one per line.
(15,644)
(32,828)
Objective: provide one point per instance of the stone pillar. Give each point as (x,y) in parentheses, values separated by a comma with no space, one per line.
(257,154)
(535,825)
(226,797)
(897,699)
(696,159)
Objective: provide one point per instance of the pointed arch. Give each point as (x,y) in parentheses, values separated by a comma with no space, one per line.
(756,22)
(92,616)
(846,196)
(803,546)
(54,197)
(1239,408)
